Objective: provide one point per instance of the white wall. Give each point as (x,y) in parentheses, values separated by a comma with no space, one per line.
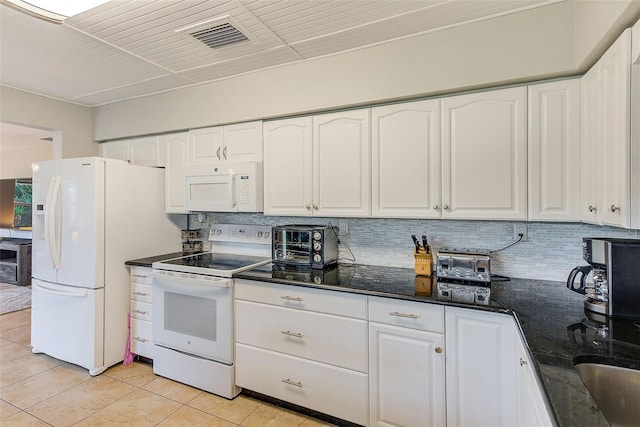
(17,163)
(525,46)
(74,122)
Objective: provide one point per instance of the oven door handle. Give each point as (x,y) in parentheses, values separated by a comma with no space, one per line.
(192,279)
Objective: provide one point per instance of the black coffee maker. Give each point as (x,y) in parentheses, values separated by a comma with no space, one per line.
(614,285)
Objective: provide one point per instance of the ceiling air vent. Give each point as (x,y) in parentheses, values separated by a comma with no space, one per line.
(215,33)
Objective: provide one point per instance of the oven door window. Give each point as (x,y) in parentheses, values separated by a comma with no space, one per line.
(199,323)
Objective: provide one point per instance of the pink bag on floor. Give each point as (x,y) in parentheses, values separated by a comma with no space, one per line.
(128,356)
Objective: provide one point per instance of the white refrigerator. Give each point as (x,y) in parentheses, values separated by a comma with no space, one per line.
(90,215)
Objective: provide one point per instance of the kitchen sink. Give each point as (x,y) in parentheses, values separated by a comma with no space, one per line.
(615,386)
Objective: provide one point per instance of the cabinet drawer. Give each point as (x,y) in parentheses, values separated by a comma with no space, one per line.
(408,314)
(141,292)
(141,310)
(299,297)
(321,337)
(142,338)
(141,275)
(9,272)
(335,391)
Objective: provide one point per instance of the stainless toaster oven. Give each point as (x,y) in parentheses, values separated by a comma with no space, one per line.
(464,264)
(304,246)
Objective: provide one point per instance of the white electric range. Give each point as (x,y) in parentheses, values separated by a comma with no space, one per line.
(193,308)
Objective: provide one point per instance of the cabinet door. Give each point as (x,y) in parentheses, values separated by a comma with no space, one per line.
(146,151)
(532,410)
(405,160)
(242,142)
(176,146)
(616,128)
(410,392)
(554,151)
(115,150)
(205,146)
(480,368)
(591,135)
(342,164)
(287,167)
(484,155)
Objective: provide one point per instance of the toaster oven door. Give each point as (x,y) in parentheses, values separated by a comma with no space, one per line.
(292,247)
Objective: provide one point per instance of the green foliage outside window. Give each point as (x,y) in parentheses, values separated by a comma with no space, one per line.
(22,201)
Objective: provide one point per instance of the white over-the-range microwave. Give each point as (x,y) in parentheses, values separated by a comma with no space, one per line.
(228,187)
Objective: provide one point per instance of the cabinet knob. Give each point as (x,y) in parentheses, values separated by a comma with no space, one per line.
(218,153)
(438,350)
(307,207)
(315,206)
(615,208)
(445,207)
(592,208)
(435,207)
(523,362)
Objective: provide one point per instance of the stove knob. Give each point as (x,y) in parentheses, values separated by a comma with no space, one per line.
(266,234)
(259,234)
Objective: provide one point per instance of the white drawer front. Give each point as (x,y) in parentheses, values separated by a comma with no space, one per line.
(141,292)
(328,389)
(299,297)
(141,310)
(325,338)
(408,314)
(142,338)
(141,275)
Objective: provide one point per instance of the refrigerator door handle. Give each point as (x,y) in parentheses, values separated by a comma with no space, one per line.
(61,293)
(51,221)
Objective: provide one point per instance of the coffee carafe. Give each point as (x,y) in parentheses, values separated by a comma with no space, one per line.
(611,281)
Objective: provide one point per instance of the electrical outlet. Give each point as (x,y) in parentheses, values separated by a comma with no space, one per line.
(518,229)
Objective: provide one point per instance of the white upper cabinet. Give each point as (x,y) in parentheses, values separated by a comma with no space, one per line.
(176,146)
(615,164)
(484,155)
(590,130)
(606,138)
(342,164)
(318,165)
(405,160)
(554,151)
(144,151)
(241,142)
(287,167)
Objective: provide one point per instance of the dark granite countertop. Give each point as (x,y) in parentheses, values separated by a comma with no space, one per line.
(146,262)
(552,319)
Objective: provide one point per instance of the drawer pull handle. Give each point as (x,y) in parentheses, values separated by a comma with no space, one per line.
(410,316)
(141,293)
(523,362)
(292,334)
(140,312)
(295,383)
(288,298)
(143,276)
(143,340)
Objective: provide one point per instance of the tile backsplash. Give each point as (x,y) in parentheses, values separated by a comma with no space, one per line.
(550,252)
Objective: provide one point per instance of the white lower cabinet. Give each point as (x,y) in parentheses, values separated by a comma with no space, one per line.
(141,315)
(532,410)
(299,353)
(481,368)
(378,361)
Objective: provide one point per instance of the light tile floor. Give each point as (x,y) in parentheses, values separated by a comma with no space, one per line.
(38,390)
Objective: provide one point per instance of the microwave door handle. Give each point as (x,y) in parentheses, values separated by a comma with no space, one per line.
(232,193)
